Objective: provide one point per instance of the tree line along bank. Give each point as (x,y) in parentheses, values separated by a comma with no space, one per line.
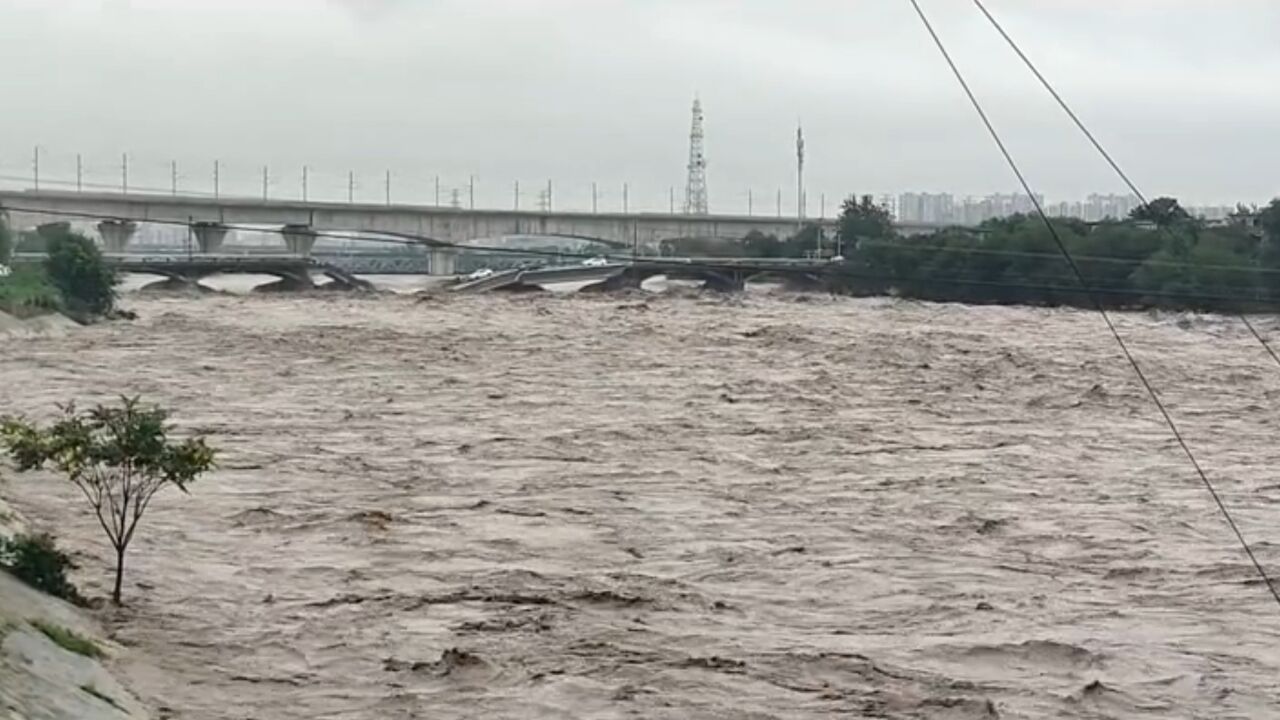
(1160,256)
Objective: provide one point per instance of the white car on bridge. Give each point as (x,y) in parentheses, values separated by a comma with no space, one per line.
(596,261)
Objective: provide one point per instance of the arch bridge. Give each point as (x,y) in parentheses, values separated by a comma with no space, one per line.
(726,274)
(294,272)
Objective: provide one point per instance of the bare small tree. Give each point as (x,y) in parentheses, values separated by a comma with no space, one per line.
(119,457)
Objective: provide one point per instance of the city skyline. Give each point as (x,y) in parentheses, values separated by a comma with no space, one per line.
(970,210)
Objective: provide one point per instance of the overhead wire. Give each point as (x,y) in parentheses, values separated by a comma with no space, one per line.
(1106,317)
(1124,177)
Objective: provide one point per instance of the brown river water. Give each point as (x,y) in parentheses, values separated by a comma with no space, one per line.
(673,506)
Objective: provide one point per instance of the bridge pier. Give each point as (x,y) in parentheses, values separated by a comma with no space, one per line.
(116,234)
(300,239)
(209,235)
(729,282)
(443,261)
(181,282)
(53,228)
(629,279)
(288,283)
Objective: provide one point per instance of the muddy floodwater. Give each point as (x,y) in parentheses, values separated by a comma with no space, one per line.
(684,507)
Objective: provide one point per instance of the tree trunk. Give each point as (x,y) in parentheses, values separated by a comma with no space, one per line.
(115,594)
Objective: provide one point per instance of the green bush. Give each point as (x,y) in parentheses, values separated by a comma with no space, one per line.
(27,291)
(76,268)
(37,561)
(69,640)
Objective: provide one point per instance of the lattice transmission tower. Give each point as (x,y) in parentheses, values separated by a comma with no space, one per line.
(695,192)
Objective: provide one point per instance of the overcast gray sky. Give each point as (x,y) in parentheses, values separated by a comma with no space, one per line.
(1184,92)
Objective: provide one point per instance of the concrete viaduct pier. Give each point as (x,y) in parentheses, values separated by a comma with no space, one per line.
(116,234)
(209,236)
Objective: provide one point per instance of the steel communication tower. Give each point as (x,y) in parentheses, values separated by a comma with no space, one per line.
(695,192)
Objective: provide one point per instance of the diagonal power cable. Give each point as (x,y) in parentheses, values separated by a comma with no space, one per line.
(1106,317)
(1101,150)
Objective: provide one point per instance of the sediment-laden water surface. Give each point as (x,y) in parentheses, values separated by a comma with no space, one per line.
(681,507)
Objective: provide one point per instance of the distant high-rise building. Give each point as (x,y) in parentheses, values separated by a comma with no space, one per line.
(890,203)
(944,209)
(1212,212)
(908,207)
(925,208)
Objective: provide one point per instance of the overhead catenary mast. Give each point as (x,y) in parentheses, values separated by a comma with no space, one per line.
(799,177)
(695,193)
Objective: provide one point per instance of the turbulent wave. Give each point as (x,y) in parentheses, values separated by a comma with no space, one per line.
(683,506)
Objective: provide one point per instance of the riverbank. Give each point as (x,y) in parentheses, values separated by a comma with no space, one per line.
(691,506)
(41,325)
(45,672)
